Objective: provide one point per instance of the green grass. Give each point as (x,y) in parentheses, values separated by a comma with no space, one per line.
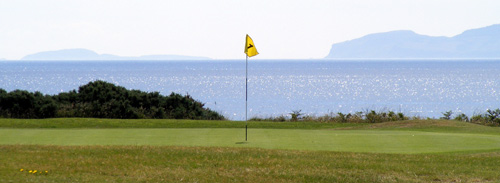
(377,141)
(213,164)
(427,136)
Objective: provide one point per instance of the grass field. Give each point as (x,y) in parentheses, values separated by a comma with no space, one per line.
(208,151)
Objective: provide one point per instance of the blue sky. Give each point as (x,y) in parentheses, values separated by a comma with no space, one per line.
(281,29)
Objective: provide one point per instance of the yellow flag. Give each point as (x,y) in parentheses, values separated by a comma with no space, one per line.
(250,49)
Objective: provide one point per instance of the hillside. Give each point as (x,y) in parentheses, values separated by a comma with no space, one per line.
(475,43)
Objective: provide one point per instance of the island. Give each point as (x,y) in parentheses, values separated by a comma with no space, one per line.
(85,54)
(476,43)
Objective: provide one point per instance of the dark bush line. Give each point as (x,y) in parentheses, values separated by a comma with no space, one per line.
(357,117)
(100,99)
(490,118)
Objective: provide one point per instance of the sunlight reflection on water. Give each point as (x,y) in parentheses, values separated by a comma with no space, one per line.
(277,87)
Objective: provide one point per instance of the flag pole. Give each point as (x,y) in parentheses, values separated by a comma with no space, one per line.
(250,51)
(246,99)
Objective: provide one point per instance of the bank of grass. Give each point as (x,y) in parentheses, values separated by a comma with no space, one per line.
(214,164)
(429,125)
(160,123)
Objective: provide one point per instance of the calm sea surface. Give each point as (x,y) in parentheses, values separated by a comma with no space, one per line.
(415,87)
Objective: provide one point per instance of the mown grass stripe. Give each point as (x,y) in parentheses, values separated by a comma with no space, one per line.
(377,141)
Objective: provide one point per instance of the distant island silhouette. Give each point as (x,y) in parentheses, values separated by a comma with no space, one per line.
(85,54)
(475,43)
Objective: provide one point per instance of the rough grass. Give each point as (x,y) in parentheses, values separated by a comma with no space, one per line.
(159,123)
(212,164)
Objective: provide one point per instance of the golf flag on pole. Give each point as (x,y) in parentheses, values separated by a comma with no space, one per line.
(250,49)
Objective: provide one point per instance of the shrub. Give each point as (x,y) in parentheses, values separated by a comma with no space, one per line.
(100,99)
(296,115)
(462,117)
(493,114)
(446,115)
(490,118)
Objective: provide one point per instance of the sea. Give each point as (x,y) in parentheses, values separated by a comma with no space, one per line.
(424,88)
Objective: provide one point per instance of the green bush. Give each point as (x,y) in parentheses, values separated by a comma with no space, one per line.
(23,104)
(100,99)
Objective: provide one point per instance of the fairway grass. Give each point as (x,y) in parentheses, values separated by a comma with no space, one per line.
(374,141)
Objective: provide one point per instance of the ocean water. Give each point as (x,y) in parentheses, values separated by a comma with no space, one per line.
(276,87)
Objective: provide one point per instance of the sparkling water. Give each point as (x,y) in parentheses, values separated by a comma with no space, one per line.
(277,87)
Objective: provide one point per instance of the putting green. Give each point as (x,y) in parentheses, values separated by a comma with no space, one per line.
(378,141)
